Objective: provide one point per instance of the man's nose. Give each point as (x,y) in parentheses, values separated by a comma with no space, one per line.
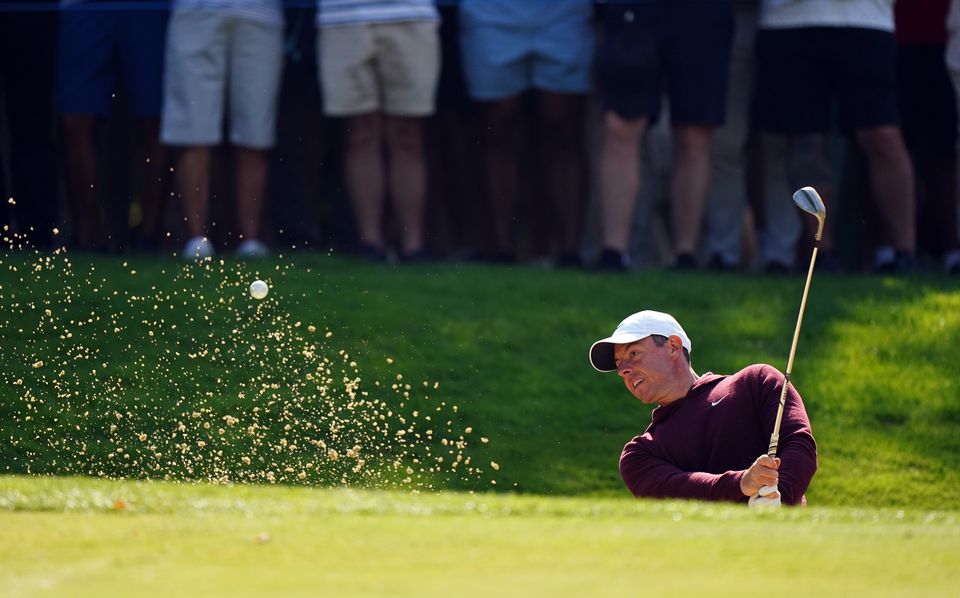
(623,369)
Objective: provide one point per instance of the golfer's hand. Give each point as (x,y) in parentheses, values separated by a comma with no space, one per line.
(768,497)
(763,472)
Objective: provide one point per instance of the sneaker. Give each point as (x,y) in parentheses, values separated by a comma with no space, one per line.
(612,260)
(884,259)
(951,262)
(906,263)
(718,264)
(902,263)
(197,249)
(685,261)
(252,249)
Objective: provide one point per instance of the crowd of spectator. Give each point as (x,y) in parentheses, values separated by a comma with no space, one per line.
(579,133)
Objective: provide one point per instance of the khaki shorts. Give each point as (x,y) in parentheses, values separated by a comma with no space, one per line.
(207,53)
(379,67)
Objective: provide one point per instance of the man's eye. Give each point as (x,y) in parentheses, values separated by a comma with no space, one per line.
(633,353)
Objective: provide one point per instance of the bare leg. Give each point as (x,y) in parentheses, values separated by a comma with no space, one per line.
(151,174)
(619,179)
(689,185)
(891,180)
(80,162)
(251,190)
(781,223)
(365,171)
(193,180)
(408,174)
(561,120)
(502,118)
(726,237)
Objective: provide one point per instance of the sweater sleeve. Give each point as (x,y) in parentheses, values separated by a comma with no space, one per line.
(649,476)
(796,448)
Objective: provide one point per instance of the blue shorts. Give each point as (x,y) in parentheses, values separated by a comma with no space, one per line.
(102,49)
(499,63)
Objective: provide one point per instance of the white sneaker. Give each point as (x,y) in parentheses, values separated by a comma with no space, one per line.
(197,249)
(252,248)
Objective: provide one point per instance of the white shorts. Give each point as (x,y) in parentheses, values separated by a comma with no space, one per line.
(379,67)
(206,50)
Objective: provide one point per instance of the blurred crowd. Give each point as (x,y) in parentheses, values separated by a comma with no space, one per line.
(574,133)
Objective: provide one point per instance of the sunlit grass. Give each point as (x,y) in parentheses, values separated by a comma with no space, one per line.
(92,537)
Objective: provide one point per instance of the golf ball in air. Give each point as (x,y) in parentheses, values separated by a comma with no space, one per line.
(259,289)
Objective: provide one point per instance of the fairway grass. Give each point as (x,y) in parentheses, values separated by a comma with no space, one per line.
(87,537)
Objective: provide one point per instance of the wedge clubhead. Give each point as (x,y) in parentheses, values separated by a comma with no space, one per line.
(808,200)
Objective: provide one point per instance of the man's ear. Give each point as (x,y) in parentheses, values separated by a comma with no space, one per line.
(676,345)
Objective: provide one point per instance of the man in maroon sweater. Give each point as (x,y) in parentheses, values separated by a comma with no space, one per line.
(709,434)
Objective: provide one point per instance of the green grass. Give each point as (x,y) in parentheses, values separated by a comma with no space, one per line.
(505,348)
(143,368)
(67,536)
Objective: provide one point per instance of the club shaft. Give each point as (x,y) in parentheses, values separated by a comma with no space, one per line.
(775,437)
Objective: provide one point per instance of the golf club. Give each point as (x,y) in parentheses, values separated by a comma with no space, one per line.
(808,200)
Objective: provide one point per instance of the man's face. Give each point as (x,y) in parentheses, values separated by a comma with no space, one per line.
(648,370)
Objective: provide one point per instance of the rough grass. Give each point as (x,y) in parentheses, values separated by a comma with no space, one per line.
(876,363)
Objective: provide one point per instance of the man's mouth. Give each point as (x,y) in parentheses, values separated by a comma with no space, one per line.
(637,382)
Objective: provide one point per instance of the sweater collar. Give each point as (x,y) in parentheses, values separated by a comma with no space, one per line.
(705,381)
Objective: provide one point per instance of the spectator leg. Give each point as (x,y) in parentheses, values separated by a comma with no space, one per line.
(80,164)
(365,176)
(689,185)
(727,202)
(953,67)
(619,179)
(561,121)
(408,174)
(503,121)
(151,173)
(781,225)
(193,179)
(891,180)
(251,165)
(940,176)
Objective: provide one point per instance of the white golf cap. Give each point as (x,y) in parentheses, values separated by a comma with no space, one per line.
(636,327)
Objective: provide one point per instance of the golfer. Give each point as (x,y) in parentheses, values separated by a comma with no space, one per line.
(708,434)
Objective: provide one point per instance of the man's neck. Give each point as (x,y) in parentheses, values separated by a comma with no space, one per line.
(685,381)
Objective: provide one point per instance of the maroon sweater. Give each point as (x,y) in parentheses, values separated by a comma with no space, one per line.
(699,446)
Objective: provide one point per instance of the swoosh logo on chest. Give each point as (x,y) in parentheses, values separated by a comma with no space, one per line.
(718,401)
